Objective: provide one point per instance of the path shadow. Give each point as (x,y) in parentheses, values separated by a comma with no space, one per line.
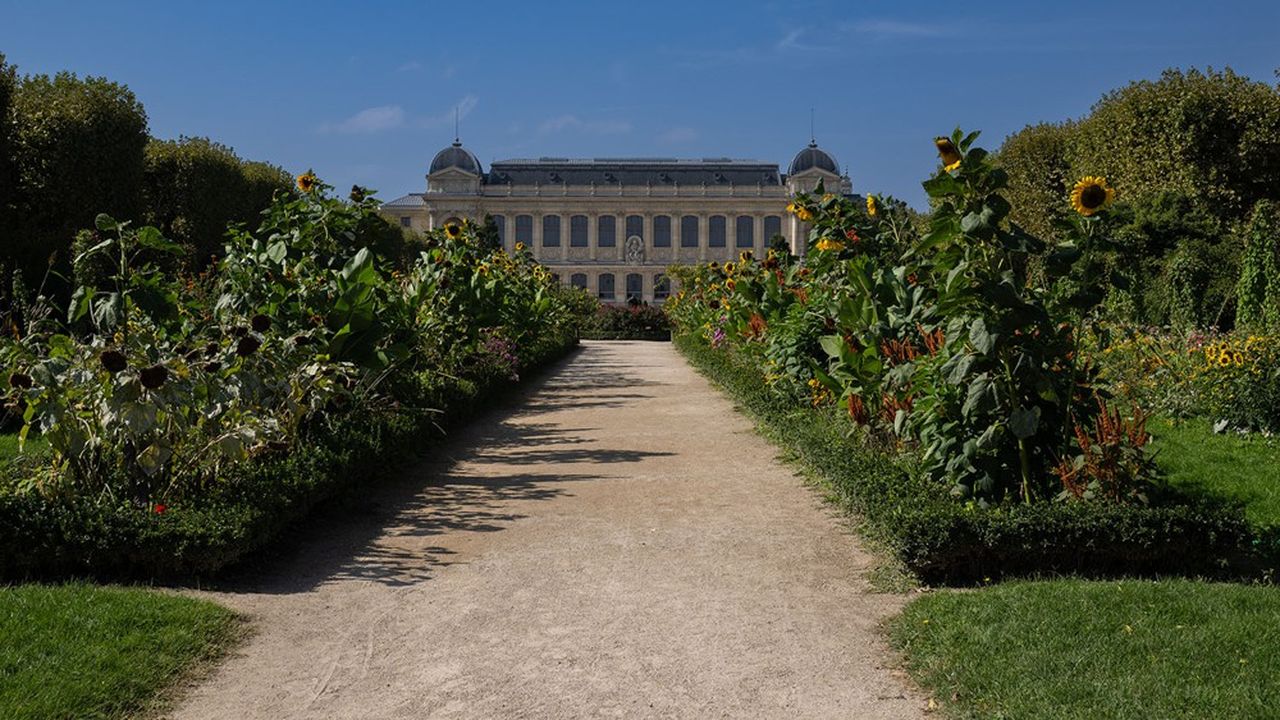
(393,533)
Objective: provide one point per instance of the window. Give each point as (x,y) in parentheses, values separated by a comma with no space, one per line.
(578,231)
(550,231)
(689,231)
(524,230)
(578,280)
(406,221)
(746,231)
(500,222)
(772,226)
(661,287)
(716,231)
(635,287)
(605,286)
(555,277)
(606,231)
(662,231)
(635,226)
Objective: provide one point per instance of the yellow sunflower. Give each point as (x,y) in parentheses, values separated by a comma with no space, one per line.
(827,243)
(520,247)
(948,152)
(873,207)
(804,214)
(791,208)
(1091,194)
(452,230)
(307,181)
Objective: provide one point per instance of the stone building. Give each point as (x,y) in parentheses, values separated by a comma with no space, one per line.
(613,225)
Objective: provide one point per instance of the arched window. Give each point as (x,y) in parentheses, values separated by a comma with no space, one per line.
(604,285)
(746,231)
(635,287)
(689,231)
(662,231)
(550,231)
(606,231)
(524,230)
(661,287)
(578,231)
(635,226)
(772,226)
(716,231)
(500,222)
(578,280)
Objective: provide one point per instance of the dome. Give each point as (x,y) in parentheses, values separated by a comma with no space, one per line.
(455,156)
(813,157)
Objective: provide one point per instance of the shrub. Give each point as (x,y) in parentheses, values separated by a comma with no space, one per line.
(628,322)
(1258,291)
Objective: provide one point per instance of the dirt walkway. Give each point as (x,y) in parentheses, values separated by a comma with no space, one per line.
(622,544)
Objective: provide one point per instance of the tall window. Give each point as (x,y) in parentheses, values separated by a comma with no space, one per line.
(772,226)
(635,226)
(606,231)
(578,231)
(635,287)
(716,231)
(406,221)
(746,231)
(550,231)
(524,230)
(500,222)
(605,286)
(661,287)
(689,231)
(578,280)
(662,231)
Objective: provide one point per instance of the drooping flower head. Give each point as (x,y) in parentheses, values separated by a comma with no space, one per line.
(1091,194)
(948,152)
(873,206)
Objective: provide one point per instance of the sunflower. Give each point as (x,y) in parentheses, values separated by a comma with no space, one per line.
(1091,194)
(520,247)
(791,208)
(307,181)
(948,152)
(873,207)
(452,230)
(804,214)
(827,243)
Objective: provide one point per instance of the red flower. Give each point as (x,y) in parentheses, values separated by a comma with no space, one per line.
(160,508)
(851,235)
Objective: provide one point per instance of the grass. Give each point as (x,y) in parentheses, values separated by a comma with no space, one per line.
(1242,467)
(1077,649)
(83,651)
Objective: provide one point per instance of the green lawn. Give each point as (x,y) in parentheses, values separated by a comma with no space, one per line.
(83,651)
(1245,467)
(1076,649)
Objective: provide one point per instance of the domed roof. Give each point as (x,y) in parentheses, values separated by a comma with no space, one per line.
(455,156)
(813,157)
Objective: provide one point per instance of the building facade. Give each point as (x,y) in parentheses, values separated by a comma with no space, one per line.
(613,225)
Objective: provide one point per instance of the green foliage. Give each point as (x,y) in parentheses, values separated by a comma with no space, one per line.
(1126,650)
(8,172)
(1039,176)
(1211,136)
(942,541)
(193,188)
(1258,292)
(628,322)
(79,151)
(80,651)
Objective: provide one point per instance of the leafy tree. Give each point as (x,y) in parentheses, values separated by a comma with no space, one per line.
(78,150)
(1039,175)
(8,178)
(1258,292)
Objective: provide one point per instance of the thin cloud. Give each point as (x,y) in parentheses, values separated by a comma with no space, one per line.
(678,135)
(791,43)
(562,123)
(460,110)
(896,28)
(369,120)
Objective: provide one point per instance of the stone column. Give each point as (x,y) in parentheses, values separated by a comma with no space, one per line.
(704,236)
(731,235)
(538,253)
(564,238)
(593,233)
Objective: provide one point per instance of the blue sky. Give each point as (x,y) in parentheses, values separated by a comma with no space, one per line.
(365,92)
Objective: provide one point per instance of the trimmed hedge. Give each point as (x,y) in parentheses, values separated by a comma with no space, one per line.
(75,536)
(945,542)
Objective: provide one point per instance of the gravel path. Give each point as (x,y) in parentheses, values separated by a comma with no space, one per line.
(621,544)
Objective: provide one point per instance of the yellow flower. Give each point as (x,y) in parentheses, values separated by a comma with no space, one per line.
(791,208)
(804,214)
(307,181)
(827,243)
(873,207)
(520,247)
(948,152)
(452,230)
(828,197)
(1091,194)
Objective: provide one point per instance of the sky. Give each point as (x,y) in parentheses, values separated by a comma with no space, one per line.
(366,92)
